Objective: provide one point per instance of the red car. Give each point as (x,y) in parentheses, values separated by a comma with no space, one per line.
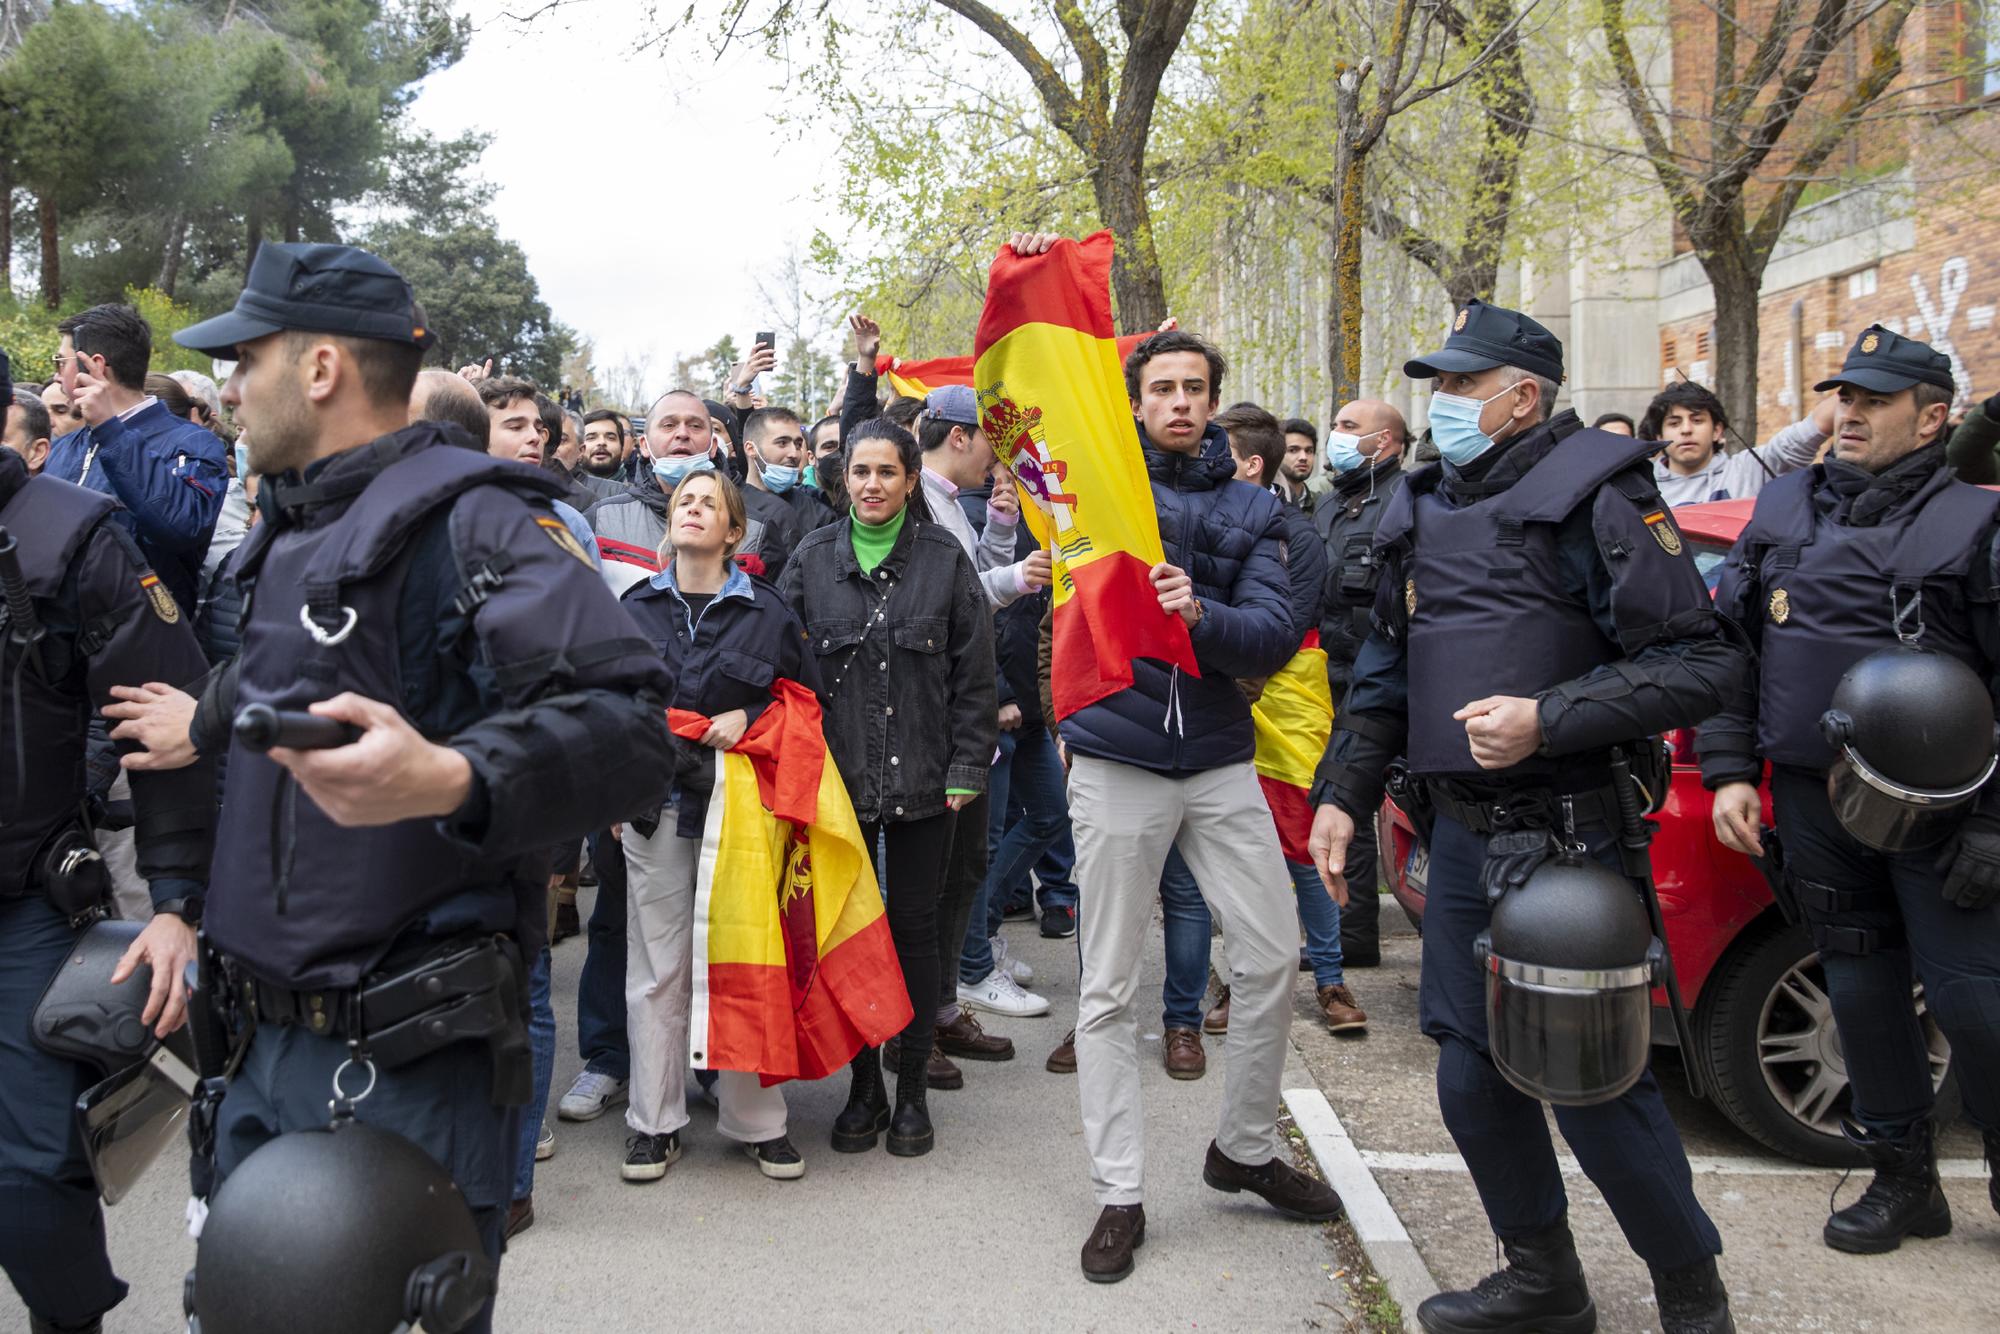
(1768,1052)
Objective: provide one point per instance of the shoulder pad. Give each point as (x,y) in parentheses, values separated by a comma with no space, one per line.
(50,520)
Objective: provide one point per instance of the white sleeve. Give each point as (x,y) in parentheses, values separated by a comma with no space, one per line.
(1791,448)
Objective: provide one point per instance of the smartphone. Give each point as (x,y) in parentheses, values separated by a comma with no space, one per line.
(767,338)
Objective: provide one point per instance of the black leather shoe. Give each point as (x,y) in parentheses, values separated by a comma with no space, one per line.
(1905,1199)
(910,1134)
(867,1112)
(1282,1186)
(1692,1300)
(1541,1291)
(36,1325)
(1120,1230)
(1991,1140)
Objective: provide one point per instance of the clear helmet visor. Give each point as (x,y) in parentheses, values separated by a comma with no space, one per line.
(1570,1037)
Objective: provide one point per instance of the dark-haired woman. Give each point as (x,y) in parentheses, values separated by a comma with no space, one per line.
(726,637)
(904,637)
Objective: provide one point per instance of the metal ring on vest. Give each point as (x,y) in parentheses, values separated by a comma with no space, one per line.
(321,637)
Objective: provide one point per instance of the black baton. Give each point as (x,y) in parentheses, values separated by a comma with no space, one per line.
(1634,835)
(260,727)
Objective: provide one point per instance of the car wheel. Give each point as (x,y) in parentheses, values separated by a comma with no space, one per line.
(1771,1052)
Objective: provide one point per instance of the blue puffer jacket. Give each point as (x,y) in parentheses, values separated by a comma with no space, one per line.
(1228,535)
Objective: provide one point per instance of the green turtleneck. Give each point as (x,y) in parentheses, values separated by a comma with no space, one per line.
(874,541)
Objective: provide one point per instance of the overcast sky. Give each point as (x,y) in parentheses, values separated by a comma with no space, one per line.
(651,191)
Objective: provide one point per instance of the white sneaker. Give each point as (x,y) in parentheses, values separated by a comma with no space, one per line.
(1001,994)
(1003,962)
(545,1144)
(590,1097)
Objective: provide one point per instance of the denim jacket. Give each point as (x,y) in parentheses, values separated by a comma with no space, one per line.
(906,660)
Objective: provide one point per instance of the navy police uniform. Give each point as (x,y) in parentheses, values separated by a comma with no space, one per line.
(1545,567)
(106,620)
(426,575)
(1833,559)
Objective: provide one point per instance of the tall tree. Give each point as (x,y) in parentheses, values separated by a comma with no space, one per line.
(479,296)
(1734,169)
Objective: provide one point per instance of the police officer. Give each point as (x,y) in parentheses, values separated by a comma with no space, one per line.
(1364,452)
(1538,610)
(371,903)
(1876,545)
(87,614)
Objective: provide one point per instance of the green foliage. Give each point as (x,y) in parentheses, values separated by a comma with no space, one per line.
(28,332)
(479,296)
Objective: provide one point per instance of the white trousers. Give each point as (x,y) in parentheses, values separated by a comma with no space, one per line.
(659,990)
(1125,819)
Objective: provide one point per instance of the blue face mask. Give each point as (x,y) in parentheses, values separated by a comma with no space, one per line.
(242,460)
(780,479)
(1455,426)
(1343,451)
(672,470)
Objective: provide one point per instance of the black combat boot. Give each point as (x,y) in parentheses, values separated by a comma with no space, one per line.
(1904,1200)
(1693,1300)
(867,1112)
(36,1325)
(1992,1140)
(1541,1291)
(910,1127)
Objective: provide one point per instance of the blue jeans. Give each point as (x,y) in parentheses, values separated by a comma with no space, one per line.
(1320,916)
(1188,931)
(1030,772)
(600,991)
(542,1042)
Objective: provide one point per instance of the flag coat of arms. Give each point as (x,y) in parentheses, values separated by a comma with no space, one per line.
(794,969)
(1052,400)
(1293,718)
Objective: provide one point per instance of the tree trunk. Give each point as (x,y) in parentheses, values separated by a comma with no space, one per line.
(1343,302)
(170,255)
(1733,353)
(1140,294)
(45,212)
(6,229)
(253,238)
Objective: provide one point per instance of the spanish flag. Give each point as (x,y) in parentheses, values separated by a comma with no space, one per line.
(794,971)
(1293,719)
(1052,399)
(916,379)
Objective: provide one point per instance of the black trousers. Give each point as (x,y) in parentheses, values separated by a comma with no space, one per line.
(964,872)
(914,865)
(1918,936)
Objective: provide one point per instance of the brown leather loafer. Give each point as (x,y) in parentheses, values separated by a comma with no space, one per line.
(1181,1049)
(1216,1022)
(964,1037)
(1282,1186)
(1062,1061)
(520,1217)
(940,1073)
(1120,1230)
(1342,1014)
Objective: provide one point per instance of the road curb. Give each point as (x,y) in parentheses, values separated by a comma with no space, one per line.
(1375,1222)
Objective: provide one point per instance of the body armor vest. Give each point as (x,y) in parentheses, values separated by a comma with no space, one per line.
(1488,610)
(1834,594)
(50,520)
(296,899)
(1347,526)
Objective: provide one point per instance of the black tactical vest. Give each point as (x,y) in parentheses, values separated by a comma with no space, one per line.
(49,520)
(1346,525)
(1832,593)
(294,898)
(1488,610)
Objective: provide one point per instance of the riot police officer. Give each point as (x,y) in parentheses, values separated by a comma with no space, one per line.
(1538,614)
(371,903)
(1879,547)
(81,612)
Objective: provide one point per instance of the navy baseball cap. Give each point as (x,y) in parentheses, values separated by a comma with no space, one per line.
(1483,337)
(333,289)
(954,403)
(1886,362)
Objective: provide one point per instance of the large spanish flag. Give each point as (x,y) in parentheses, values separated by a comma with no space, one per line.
(916,378)
(794,971)
(1052,399)
(1293,717)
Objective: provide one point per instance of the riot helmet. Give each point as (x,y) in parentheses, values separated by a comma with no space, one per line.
(1570,962)
(1914,740)
(350,1229)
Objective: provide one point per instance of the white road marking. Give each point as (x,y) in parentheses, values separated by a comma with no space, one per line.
(1703,1164)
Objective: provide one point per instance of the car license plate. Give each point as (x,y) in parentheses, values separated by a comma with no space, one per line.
(1417,868)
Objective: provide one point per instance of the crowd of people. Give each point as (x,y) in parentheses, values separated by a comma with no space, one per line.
(877,555)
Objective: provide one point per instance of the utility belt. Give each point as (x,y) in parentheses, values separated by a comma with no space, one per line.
(438,994)
(1589,799)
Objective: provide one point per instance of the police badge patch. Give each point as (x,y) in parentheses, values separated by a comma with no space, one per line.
(1409,597)
(560,534)
(1664,532)
(1458,326)
(1781,606)
(1870,343)
(163,602)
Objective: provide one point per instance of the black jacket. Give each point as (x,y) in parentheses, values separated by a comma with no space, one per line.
(724,658)
(782,529)
(1345,519)
(906,666)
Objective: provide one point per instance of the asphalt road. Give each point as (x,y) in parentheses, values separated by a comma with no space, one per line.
(1769,1209)
(983,1233)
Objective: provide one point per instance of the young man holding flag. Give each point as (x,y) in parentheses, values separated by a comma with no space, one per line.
(1170,583)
